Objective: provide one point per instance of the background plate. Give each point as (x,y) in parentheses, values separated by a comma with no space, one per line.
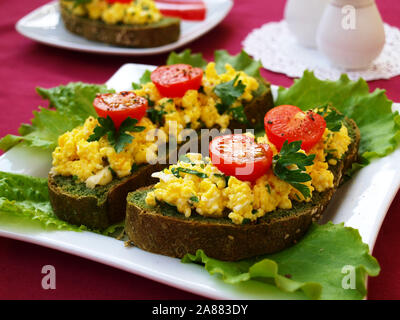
(361,203)
(44,25)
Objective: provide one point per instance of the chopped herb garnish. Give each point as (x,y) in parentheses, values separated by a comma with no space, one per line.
(117,138)
(246,221)
(176,172)
(254,211)
(155,115)
(150,102)
(113,173)
(184,158)
(194,199)
(134,168)
(268,188)
(290,156)
(218,175)
(332,118)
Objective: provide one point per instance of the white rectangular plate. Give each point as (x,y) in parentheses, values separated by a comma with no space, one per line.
(44,25)
(361,203)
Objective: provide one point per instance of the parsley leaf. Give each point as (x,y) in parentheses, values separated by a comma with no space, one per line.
(289,156)
(176,172)
(332,118)
(194,199)
(118,139)
(228,92)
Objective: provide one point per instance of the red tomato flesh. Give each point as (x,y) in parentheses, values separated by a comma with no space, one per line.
(292,124)
(174,80)
(185,9)
(120,106)
(240,156)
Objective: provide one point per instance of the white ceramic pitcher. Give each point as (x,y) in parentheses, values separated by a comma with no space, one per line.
(351,33)
(302,17)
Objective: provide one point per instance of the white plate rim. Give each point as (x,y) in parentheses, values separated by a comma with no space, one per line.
(113,50)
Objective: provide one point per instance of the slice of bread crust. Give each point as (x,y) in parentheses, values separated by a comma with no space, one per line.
(163,230)
(103,206)
(166,31)
(98,208)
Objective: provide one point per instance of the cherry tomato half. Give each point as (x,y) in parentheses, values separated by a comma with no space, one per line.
(120,106)
(291,123)
(174,80)
(240,156)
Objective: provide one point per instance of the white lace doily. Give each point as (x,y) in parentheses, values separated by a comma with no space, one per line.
(278,51)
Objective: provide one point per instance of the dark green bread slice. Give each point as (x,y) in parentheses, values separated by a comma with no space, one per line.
(163,32)
(163,230)
(103,206)
(96,208)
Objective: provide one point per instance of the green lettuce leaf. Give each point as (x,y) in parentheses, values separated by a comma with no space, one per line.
(186,57)
(27,198)
(379,126)
(70,106)
(241,62)
(145,78)
(314,265)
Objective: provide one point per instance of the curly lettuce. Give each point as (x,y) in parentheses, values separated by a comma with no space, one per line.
(379,126)
(70,106)
(241,62)
(27,198)
(320,265)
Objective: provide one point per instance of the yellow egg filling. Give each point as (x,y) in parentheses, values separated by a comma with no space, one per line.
(135,12)
(195,185)
(75,156)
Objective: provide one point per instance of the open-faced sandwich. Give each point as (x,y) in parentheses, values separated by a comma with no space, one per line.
(95,165)
(252,193)
(252,196)
(130,23)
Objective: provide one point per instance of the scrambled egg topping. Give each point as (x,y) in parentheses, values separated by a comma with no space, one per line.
(208,192)
(135,12)
(75,156)
(198,108)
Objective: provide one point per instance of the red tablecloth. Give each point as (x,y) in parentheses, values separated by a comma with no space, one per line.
(25,64)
